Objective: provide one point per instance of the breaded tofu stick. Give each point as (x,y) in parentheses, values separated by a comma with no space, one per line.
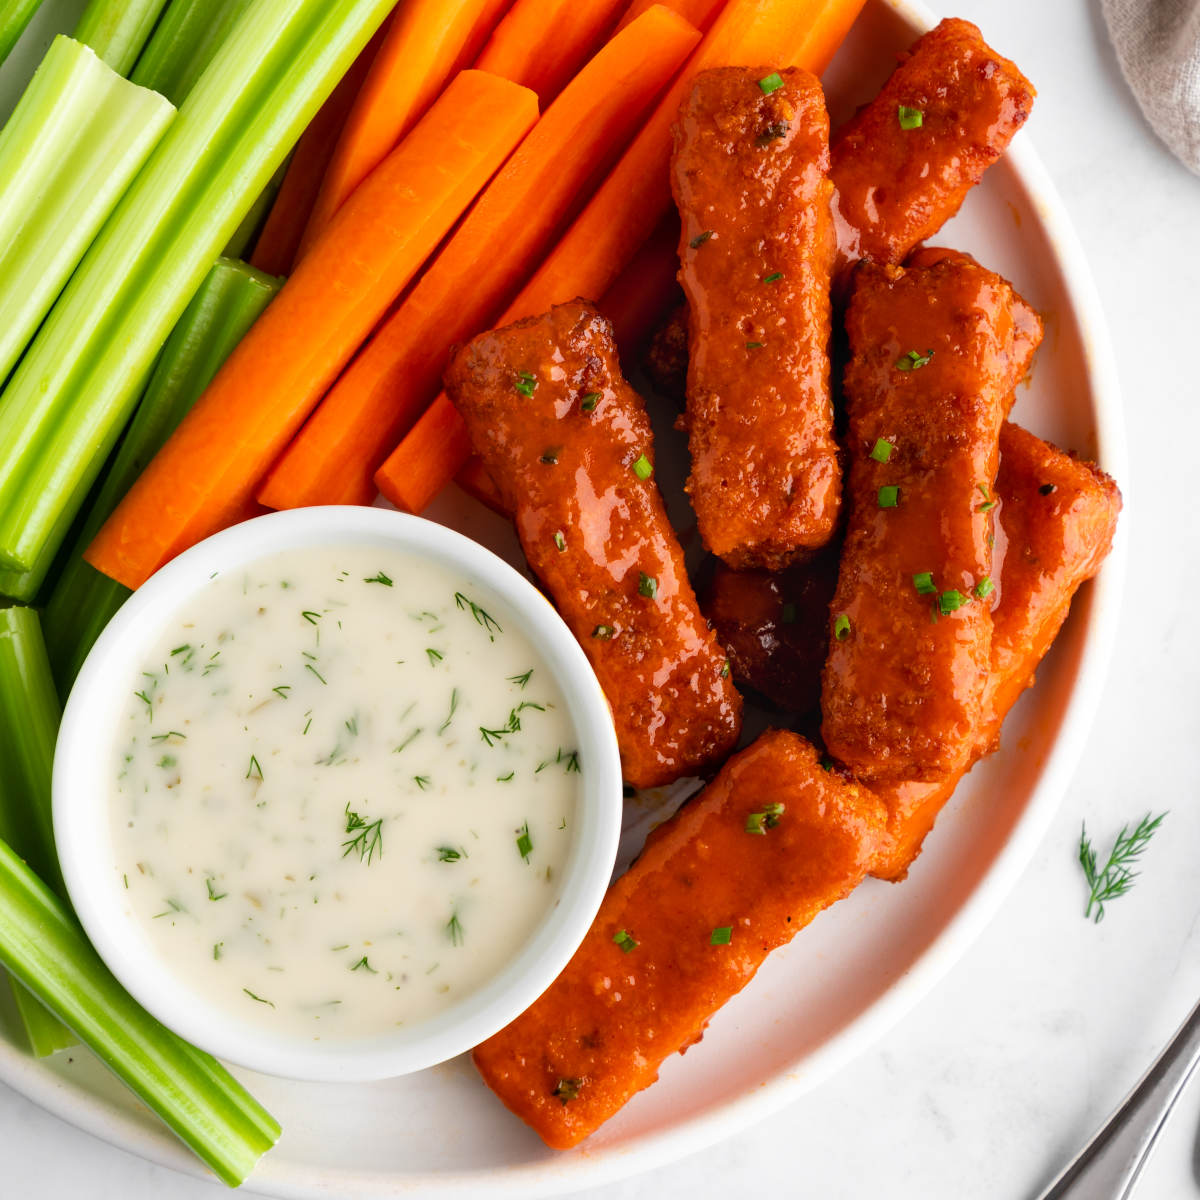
(934,357)
(772,841)
(1057,520)
(569,447)
(756,250)
(904,163)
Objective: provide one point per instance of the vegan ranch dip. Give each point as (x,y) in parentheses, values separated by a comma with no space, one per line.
(343,791)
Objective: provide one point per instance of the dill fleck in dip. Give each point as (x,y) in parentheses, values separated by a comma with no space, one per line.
(343,791)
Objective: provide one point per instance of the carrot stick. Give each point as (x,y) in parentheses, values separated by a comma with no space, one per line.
(213,462)
(428,43)
(701,13)
(640,296)
(628,205)
(275,250)
(542,43)
(506,233)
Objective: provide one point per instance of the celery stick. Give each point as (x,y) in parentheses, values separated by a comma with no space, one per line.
(68,399)
(76,140)
(252,222)
(227,304)
(118,29)
(14,16)
(29,715)
(41,944)
(45,1032)
(187,37)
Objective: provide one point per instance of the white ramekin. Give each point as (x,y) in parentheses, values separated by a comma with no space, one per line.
(84,756)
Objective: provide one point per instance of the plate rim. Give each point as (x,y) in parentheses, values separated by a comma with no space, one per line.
(556,1176)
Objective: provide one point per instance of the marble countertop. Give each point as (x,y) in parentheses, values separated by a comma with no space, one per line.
(1010,1063)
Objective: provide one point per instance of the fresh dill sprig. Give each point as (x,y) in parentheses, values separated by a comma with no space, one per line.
(450,715)
(482,617)
(367,839)
(513,725)
(454,930)
(1117,875)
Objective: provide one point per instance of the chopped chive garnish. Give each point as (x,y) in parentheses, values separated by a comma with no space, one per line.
(787,614)
(603,632)
(449,854)
(623,939)
(881,452)
(841,627)
(380,577)
(505,778)
(771,83)
(282,690)
(310,667)
(889,496)
(213,894)
(913,360)
(567,1089)
(521,680)
(589,401)
(526,383)
(909,118)
(725,669)
(1046,489)
(251,994)
(774,277)
(700,239)
(524,842)
(363,964)
(775,130)
(311,617)
(754,345)
(560,541)
(642,468)
(254,771)
(454,930)
(826,763)
(550,456)
(924,584)
(760,822)
(721,936)
(984,587)
(988,503)
(423,782)
(951,601)
(647,585)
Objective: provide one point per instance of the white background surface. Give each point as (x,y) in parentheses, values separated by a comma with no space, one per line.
(1040,1030)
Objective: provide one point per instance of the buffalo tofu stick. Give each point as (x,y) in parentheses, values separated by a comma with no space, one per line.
(1056,525)
(904,163)
(773,840)
(934,357)
(756,251)
(569,447)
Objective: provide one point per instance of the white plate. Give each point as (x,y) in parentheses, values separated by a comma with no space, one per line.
(847,978)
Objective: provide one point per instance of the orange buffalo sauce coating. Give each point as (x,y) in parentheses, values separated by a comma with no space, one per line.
(898,185)
(1057,520)
(935,353)
(756,250)
(648,976)
(569,447)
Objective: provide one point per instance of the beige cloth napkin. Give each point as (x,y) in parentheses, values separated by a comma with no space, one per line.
(1158,45)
